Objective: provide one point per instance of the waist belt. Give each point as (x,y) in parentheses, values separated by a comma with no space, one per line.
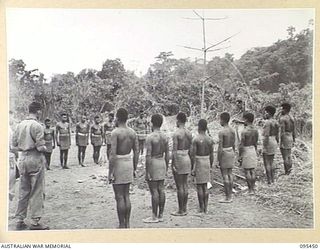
(96,135)
(228,148)
(182,152)
(202,156)
(82,134)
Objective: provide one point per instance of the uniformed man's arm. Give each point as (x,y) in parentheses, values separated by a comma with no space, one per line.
(148,157)
(37,134)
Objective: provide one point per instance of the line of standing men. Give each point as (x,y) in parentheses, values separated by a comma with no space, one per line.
(194,156)
(189,156)
(61,136)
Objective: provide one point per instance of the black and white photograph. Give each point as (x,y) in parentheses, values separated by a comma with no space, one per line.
(160,118)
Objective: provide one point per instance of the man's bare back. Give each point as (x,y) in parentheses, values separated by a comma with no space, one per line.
(123,139)
(249,136)
(227,137)
(159,143)
(182,138)
(286,123)
(203,144)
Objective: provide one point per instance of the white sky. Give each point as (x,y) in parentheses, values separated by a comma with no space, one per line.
(61,40)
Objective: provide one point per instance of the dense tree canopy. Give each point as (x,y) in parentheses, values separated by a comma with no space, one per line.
(282,71)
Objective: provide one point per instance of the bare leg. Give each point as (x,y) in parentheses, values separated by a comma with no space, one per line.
(185,191)
(248,179)
(272,168)
(266,162)
(121,206)
(153,186)
(200,197)
(180,193)
(66,157)
(162,198)
(230,178)
(79,155)
(205,197)
(127,205)
(227,185)
(83,155)
(252,179)
(61,157)
(287,162)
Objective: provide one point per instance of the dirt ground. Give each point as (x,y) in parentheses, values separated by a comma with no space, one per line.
(80,198)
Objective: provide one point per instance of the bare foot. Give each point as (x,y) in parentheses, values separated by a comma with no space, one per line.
(150,220)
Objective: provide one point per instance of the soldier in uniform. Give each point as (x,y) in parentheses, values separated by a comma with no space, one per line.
(96,137)
(82,139)
(28,138)
(49,138)
(63,138)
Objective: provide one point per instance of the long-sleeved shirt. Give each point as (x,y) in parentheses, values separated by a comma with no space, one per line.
(29,135)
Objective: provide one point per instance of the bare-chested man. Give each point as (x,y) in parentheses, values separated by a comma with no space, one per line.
(181,162)
(248,150)
(82,139)
(96,137)
(202,154)
(50,141)
(63,138)
(122,165)
(157,161)
(226,155)
(270,141)
(287,136)
(141,127)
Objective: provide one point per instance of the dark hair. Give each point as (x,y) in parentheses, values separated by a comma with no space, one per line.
(34,107)
(157,120)
(96,117)
(62,114)
(202,124)
(181,117)
(238,101)
(122,115)
(111,114)
(225,116)
(270,110)
(248,116)
(286,106)
(47,120)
